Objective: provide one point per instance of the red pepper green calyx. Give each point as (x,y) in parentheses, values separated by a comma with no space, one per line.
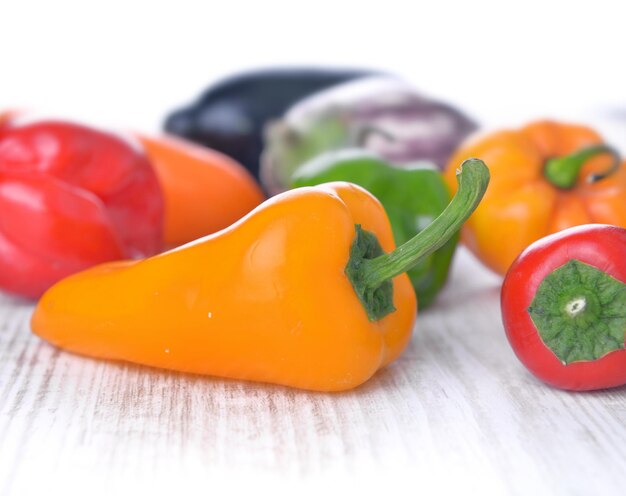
(563,172)
(370,270)
(580,312)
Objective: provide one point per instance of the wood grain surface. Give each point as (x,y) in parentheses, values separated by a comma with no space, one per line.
(456,413)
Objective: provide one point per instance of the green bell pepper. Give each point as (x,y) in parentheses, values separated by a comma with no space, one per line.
(412,196)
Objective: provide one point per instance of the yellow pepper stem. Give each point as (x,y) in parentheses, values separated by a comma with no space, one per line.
(473,179)
(371,272)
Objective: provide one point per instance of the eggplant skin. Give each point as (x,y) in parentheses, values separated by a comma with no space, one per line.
(230,115)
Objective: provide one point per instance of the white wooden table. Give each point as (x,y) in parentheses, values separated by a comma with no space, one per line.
(456,413)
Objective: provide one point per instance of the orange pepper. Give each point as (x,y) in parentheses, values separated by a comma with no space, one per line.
(299,292)
(204,190)
(546,177)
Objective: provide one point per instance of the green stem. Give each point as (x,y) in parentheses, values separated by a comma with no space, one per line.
(473,179)
(563,172)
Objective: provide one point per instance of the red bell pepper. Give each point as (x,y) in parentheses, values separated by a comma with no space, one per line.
(564,307)
(71,197)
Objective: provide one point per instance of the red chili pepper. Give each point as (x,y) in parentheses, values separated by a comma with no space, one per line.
(71,197)
(564,307)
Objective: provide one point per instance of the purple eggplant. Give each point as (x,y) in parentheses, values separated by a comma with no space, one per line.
(383,114)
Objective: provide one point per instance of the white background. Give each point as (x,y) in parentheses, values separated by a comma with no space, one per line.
(125,63)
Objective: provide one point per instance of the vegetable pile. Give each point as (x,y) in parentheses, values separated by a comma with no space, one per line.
(316,287)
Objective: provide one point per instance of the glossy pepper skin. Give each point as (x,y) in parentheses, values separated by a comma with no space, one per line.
(544,179)
(204,190)
(572,335)
(412,196)
(231,114)
(71,197)
(300,292)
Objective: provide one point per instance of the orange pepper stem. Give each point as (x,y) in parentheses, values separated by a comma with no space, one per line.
(563,172)
(371,273)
